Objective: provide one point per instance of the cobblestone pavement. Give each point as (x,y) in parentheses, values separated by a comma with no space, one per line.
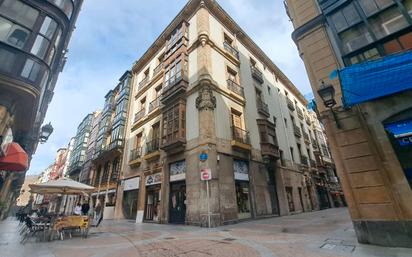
(327,233)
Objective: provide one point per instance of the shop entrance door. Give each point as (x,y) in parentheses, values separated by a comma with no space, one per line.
(177,204)
(152,209)
(130,204)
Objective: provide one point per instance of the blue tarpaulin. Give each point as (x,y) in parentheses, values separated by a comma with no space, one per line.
(375,79)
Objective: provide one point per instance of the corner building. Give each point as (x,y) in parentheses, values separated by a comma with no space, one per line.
(370,131)
(205,87)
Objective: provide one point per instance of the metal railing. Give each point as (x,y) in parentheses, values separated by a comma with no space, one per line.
(262,106)
(257,74)
(158,69)
(154,104)
(306,137)
(152,146)
(143,83)
(291,105)
(135,154)
(297,131)
(228,47)
(304,160)
(240,135)
(300,113)
(234,87)
(139,115)
(116,143)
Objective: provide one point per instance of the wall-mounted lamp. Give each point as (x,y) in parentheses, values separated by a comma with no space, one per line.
(45,133)
(327,93)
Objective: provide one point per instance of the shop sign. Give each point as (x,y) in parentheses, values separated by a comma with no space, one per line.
(205,174)
(241,170)
(154,179)
(177,171)
(131,184)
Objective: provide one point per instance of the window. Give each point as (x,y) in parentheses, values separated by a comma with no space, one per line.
(387,22)
(40,47)
(236,118)
(48,27)
(370,7)
(291,153)
(31,70)
(175,71)
(174,123)
(286,122)
(345,18)
(65,5)
(282,158)
(370,54)
(13,34)
(227,39)
(232,75)
(355,38)
(252,62)
(7,60)
(138,140)
(269,90)
(20,12)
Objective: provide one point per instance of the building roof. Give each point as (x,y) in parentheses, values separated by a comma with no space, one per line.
(217,11)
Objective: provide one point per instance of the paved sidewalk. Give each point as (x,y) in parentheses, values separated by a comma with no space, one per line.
(327,233)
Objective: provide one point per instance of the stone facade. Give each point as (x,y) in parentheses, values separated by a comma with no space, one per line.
(376,189)
(204,87)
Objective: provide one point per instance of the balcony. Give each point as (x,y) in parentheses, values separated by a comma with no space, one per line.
(174,86)
(263,108)
(297,131)
(240,139)
(314,143)
(312,163)
(158,69)
(139,115)
(304,160)
(290,104)
(300,113)
(154,104)
(270,149)
(116,144)
(152,149)
(257,74)
(229,48)
(235,88)
(307,119)
(143,83)
(135,157)
(306,137)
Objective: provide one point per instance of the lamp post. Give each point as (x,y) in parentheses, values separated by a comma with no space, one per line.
(45,133)
(327,94)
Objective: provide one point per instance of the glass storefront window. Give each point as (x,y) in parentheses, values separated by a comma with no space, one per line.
(40,46)
(13,34)
(388,22)
(31,70)
(20,12)
(242,197)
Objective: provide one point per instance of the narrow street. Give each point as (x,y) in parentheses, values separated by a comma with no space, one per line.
(319,234)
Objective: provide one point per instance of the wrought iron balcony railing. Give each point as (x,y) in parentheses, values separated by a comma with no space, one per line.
(297,131)
(263,107)
(257,74)
(234,87)
(154,104)
(240,135)
(135,154)
(158,69)
(139,115)
(291,105)
(228,47)
(153,146)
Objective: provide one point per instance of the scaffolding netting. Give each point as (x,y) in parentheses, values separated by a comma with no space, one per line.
(375,79)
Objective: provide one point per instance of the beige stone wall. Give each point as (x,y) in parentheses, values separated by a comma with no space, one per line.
(302,11)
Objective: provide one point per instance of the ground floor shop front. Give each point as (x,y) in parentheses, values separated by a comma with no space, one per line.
(171,191)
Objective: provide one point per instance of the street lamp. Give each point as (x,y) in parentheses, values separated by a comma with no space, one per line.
(45,132)
(327,94)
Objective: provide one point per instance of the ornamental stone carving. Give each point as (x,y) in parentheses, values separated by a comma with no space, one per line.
(206,101)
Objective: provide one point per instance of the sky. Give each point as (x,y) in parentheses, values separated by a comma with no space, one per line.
(111,35)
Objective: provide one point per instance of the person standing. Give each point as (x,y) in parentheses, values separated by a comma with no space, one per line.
(85,208)
(77,210)
(98,213)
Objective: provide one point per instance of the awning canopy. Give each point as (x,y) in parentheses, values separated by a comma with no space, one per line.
(375,79)
(16,159)
(61,186)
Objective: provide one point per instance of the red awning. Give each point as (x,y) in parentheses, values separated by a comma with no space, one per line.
(16,159)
